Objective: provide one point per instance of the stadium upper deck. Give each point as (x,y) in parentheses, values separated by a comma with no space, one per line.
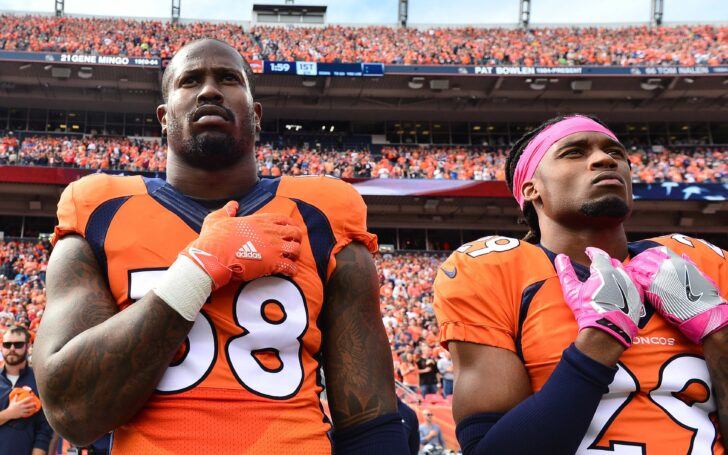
(704,164)
(52,79)
(599,46)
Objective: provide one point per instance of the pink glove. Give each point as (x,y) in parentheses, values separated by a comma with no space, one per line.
(680,292)
(608,300)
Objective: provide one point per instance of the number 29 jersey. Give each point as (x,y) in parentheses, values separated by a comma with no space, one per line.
(246,380)
(505,293)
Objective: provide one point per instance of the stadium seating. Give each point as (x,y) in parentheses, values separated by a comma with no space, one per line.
(97,153)
(406,302)
(553,46)
(22,282)
(682,164)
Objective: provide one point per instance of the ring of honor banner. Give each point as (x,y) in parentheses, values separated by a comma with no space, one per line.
(666,191)
(320,69)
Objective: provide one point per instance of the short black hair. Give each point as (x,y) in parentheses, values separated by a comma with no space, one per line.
(530,217)
(19,329)
(167,75)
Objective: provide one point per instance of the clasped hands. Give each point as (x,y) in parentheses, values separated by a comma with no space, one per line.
(612,297)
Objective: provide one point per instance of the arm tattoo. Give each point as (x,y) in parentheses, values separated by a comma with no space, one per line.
(357,359)
(89,352)
(715,349)
(719,378)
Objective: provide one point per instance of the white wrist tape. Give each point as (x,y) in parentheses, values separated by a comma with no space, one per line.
(185,287)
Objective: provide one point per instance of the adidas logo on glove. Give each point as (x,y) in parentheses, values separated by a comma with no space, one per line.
(248,251)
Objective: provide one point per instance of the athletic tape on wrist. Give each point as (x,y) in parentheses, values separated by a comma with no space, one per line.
(185,287)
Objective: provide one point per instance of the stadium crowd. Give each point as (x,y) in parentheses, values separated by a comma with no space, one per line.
(552,46)
(682,164)
(452,163)
(96,153)
(22,283)
(405,299)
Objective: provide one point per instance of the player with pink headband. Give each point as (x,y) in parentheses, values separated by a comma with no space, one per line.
(539,145)
(574,340)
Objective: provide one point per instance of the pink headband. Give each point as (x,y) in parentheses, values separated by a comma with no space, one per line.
(536,149)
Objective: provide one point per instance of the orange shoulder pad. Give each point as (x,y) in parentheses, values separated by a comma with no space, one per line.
(82,197)
(339,202)
(478,289)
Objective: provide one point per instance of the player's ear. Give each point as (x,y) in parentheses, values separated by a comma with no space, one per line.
(530,192)
(258,110)
(162,117)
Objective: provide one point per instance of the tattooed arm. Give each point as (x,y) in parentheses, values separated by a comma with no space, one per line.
(715,349)
(357,360)
(96,366)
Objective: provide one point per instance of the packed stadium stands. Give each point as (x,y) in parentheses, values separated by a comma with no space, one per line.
(553,46)
(22,282)
(96,153)
(72,127)
(406,304)
(703,164)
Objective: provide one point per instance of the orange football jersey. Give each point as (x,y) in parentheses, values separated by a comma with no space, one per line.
(505,293)
(247,379)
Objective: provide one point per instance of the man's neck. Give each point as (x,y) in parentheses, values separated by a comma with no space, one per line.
(573,242)
(14,370)
(203,184)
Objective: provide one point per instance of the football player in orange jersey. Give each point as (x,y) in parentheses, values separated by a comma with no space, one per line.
(560,344)
(192,336)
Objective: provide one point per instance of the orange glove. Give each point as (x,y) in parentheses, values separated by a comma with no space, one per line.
(245,248)
(25,392)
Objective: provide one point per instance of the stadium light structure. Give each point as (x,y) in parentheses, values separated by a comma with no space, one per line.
(657,10)
(60,73)
(580,85)
(524,13)
(60,6)
(416,83)
(537,84)
(651,84)
(86,72)
(402,13)
(176,7)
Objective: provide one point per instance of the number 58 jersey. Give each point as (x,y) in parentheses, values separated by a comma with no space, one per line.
(505,293)
(247,379)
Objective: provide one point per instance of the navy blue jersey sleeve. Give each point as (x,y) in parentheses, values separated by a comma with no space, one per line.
(551,421)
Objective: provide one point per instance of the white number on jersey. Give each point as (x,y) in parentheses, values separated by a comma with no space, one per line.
(685,240)
(281,338)
(675,376)
(491,244)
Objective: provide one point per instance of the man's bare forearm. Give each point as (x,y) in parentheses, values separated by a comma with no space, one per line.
(715,349)
(357,359)
(92,354)
(115,365)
